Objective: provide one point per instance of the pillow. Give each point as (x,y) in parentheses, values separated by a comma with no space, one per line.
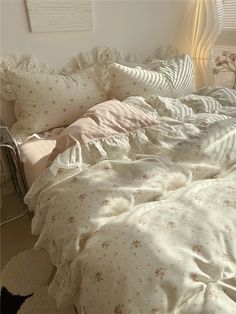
(169,107)
(45,101)
(202,104)
(172,78)
(225,96)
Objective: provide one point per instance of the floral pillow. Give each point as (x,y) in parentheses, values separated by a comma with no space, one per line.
(44,101)
(170,78)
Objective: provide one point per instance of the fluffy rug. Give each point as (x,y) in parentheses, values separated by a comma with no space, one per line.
(25,282)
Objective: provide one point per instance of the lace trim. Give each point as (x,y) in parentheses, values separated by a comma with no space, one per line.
(99,58)
(117,146)
(25,62)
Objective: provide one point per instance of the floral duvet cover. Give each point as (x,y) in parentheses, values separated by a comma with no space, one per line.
(139,216)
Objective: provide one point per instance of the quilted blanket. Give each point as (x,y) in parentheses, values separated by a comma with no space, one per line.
(137,208)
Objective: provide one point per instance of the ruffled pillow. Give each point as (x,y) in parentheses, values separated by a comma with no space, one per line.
(44,101)
(169,107)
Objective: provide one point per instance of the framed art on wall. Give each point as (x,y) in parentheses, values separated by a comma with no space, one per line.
(59,15)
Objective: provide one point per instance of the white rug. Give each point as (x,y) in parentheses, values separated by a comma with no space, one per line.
(28,273)
(42,303)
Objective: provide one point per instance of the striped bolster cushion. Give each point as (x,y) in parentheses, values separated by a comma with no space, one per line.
(225,96)
(173,78)
(169,107)
(203,104)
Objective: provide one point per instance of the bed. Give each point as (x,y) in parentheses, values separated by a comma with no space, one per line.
(136,205)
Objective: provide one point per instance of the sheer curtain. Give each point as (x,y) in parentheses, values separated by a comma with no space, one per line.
(202,25)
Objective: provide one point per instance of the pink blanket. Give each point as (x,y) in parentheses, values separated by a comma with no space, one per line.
(103,120)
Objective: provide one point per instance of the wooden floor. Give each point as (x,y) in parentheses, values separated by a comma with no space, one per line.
(15,236)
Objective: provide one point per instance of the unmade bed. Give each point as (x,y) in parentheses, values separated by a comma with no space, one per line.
(136,206)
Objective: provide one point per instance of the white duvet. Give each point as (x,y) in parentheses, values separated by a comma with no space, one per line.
(144,222)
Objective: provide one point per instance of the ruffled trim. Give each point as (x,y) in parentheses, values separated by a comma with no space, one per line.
(164,53)
(104,56)
(100,58)
(124,145)
(26,63)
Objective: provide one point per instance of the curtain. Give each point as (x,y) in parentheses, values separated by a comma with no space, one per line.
(202,25)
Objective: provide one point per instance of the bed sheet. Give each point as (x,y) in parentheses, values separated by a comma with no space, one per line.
(34,153)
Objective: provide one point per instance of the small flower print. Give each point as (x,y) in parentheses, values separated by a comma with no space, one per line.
(226,256)
(105,244)
(136,244)
(212,294)
(119,309)
(160,272)
(71,220)
(141,222)
(106,202)
(82,196)
(197,249)
(227,203)
(194,277)
(171,224)
(154,310)
(228,228)
(139,192)
(98,277)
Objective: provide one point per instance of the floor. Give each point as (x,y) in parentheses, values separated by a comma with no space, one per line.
(15,236)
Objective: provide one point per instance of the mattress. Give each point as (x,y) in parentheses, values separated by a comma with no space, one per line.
(34,156)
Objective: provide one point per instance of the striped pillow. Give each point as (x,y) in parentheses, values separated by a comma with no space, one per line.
(225,96)
(172,78)
(203,104)
(169,107)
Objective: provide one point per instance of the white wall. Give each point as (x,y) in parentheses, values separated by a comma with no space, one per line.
(130,26)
